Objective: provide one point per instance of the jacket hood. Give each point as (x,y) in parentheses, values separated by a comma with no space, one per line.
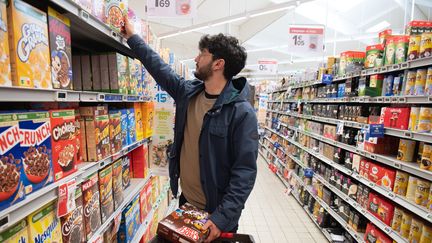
(236,90)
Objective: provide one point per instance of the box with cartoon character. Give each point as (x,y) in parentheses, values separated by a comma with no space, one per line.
(114,12)
(5,69)
(130,221)
(29,47)
(184,224)
(61,54)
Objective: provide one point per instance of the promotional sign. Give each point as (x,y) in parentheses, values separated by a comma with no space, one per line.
(376,130)
(171,8)
(306,39)
(267,66)
(262,108)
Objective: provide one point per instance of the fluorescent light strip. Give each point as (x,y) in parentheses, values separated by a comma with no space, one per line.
(271,11)
(228,21)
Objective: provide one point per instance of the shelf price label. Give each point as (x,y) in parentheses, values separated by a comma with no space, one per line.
(171,8)
(306,39)
(267,66)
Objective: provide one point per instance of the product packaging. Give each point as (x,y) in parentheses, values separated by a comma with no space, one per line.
(414,118)
(374,55)
(124,127)
(383,36)
(382,176)
(139,128)
(115,131)
(426,45)
(402,43)
(425,116)
(394,117)
(5,68)
(76,71)
(72,224)
(86,72)
(130,221)
(412,187)
(97,132)
(414,47)
(406,224)
(134,73)
(373,235)
(428,86)
(104,73)
(351,61)
(117,173)
(118,72)
(29,47)
(401,183)
(410,83)
(419,87)
(92,212)
(406,150)
(415,230)
(106,193)
(114,12)
(131,126)
(422,192)
(126,161)
(390,50)
(381,208)
(140,161)
(63,142)
(147,118)
(16,233)
(44,222)
(98,9)
(397,219)
(61,53)
(426,236)
(425,161)
(96,72)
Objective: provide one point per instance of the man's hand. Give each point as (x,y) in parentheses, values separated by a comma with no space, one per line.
(128,29)
(214,231)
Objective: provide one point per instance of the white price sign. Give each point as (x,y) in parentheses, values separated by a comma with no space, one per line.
(267,66)
(306,40)
(171,8)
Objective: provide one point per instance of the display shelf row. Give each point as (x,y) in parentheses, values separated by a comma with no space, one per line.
(19,94)
(22,209)
(325,233)
(416,209)
(135,187)
(379,100)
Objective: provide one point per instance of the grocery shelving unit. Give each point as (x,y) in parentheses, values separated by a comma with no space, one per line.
(279,99)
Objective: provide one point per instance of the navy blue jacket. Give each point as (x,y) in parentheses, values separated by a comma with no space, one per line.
(228,143)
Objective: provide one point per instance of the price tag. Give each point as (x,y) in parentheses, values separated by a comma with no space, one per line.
(429,216)
(66,198)
(397,165)
(371,184)
(391,194)
(267,66)
(306,39)
(387,229)
(171,8)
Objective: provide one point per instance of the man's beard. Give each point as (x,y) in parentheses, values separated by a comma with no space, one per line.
(204,72)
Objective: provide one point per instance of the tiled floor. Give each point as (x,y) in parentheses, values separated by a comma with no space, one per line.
(272,216)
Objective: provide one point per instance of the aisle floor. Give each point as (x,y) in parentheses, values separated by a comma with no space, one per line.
(270,215)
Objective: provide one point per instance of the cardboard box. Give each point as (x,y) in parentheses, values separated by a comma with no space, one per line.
(373,234)
(63,142)
(29,47)
(35,149)
(406,150)
(115,131)
(16,233)
(97,132)
(382,176)
(126,172)
(61,53)
(139,122)
(381,208)
(114,10)
(76,71)
(117,183)
(106,193)
(147,118)
(78,134)
(140,160)
(98,10)
(83,139)
(86,73)
(134,73)
(72,224)
(131,127)
(124,127)
(104,73)
(44,222)
(394,117)
(96,72)
(130,222)
(119,75)
(374,55)
(5,68)
(92,213)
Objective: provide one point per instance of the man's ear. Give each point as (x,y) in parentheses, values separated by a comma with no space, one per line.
(219,64)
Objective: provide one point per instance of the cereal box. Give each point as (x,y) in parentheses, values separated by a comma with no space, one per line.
(114,12)
(134,71)
(16,234)
(72,224)
(92,214)
(131,121)
(115,131)
(147,118)
(105,75)
(35,150)
(124,127)
(44,226)
(118,71)
(98,9)
(63,142)
(414,47)
(61,53)
(29,48)
(143,204)
(5,78)
(97,132)
(401,44)
(96,72)
(126,161)
(106,195)
(11,182)
(140,73)
(83,138)
(117,183)
(139,122)
(86,73)
(78,134)
(130,221)
(140,161)
(76,70)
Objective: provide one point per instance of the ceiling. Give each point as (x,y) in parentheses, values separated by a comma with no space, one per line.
(350,25)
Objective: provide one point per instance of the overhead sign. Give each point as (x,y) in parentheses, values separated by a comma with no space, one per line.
(267,66)
(306,39)
(171,8)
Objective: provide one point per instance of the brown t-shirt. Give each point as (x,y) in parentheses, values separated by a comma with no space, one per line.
(190,179)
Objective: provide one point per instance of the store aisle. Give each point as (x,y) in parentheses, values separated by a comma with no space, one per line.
(272,216)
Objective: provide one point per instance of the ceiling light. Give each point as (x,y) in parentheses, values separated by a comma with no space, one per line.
(380,26)
(271,11)
(228,21)
(194,29)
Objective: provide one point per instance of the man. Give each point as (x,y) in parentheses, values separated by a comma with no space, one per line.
(215,139)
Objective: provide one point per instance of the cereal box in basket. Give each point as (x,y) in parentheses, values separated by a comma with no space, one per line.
(35,150)
(63,142)
(29,48)
(11,181)
(44,226)
(106,193)
(61,53)
(16,234)
(117,181)
(72,224)
(184,225)
(5,69)
(130,221)
(114,12)
(92,216)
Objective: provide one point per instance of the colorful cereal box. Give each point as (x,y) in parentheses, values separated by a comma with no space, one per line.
(426,44)
(139,122)
(29,48)
(373,53)
(61,53)
(44,226)
(106,195)
(419,87)
(130,221)
(114,12)
(98,9)
(131,131)
(97,132)
(389,56)
(72,224)
(35,150)
(63,142)
(105,75)
(11,180)
(135,75)
(119,75)
(401,43)
(115,131)
(5,69)
(16,234)
(92,214)
(147,118)
(124,127)
(126,161)
(414,47)
(117,183)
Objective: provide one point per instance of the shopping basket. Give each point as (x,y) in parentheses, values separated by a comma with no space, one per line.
(224,238)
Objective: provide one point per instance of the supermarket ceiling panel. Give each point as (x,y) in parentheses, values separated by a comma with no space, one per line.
(262,26)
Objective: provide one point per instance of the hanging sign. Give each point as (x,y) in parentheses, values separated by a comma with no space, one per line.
(171,8)
(267,66)
(306,39)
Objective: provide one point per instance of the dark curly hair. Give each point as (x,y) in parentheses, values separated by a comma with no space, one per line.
(227,48)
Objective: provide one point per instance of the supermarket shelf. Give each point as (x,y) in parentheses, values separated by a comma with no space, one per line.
(325,233)
(393,234)
(173,206)
(420,211)
(286,184)
(363,99)
(357,236)
(89,28)
(135,187)
(16,212)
